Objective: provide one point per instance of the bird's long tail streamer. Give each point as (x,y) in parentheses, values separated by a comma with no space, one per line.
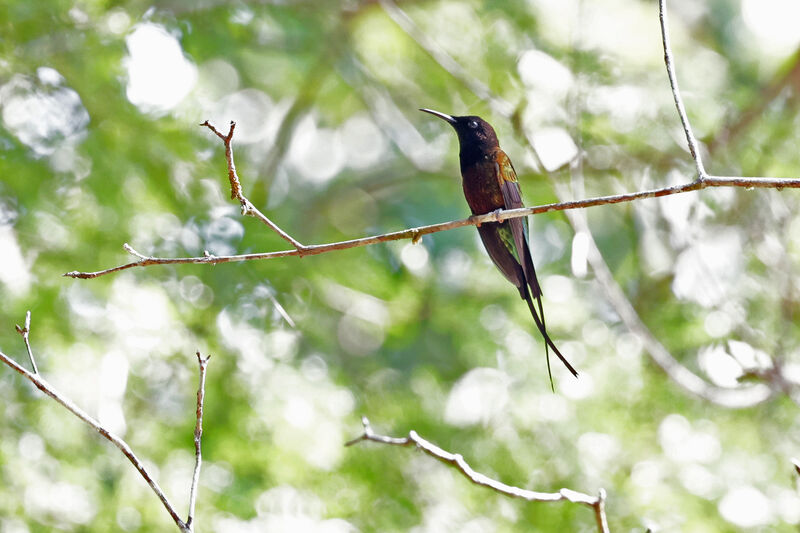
(548,341)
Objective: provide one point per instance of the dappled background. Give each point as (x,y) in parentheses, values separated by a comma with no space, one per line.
(99,145)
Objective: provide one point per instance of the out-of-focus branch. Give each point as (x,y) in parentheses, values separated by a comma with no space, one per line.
(597,503)
(445,60)
(44,386)
(739,397)
(736,126)
(476,220)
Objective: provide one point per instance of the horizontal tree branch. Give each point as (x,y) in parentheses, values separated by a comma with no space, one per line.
(476,220)
(597,503)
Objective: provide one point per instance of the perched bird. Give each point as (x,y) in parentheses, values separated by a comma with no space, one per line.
(490,183)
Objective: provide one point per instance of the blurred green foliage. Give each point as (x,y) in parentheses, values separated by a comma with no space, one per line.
(99,145)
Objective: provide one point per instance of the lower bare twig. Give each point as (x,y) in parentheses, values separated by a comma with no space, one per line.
(48,389)
(597,503)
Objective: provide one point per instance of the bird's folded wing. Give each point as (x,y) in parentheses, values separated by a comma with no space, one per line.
(512,198)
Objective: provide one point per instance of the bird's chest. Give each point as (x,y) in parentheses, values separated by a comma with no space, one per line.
(481,186)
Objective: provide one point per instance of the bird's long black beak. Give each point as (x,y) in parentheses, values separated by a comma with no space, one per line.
(441,115)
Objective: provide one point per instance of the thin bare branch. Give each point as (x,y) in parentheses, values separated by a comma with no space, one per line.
(597,503)
(48,389)
(676,93)
(25,331)
(248,208)
(198,435)
(476,220)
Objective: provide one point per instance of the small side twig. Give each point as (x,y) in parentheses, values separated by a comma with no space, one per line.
(25,331)
(248,208)
(597,503)
(198,434)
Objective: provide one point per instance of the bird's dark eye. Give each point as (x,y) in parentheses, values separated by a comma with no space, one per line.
(473,124)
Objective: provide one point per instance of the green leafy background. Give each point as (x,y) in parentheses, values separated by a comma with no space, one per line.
(428,337)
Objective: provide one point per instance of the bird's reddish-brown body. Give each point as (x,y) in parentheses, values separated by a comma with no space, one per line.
(481,184)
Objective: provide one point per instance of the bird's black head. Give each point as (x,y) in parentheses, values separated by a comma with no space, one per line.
(475,135)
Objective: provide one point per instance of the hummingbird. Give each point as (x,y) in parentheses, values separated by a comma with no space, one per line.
(490,184)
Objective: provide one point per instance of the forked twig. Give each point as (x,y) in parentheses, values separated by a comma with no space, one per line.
(44,386)
(236,187)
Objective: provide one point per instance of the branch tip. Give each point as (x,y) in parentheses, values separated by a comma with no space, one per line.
(128,248)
